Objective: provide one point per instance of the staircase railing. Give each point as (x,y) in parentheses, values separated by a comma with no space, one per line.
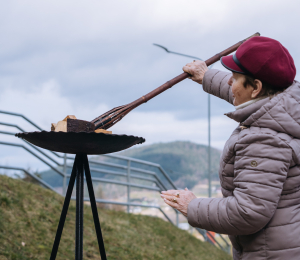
(129,172)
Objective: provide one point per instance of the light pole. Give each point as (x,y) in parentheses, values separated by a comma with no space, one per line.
(208,115)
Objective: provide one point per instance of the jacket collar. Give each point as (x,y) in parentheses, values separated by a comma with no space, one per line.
(250,114)
(242,114)
(280,114)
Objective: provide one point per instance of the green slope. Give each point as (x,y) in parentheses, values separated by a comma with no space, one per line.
(185,162)
(30,214)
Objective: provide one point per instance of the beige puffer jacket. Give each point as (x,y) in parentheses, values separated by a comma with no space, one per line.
(260,177)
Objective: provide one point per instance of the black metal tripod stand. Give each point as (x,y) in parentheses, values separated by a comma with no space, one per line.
(81,144)
(80,166)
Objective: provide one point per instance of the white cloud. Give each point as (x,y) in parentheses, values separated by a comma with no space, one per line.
(86,57)
(164,127)
(45,105)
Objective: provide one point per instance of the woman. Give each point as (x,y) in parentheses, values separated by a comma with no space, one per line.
(260,164)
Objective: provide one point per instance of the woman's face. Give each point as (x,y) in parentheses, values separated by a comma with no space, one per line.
(240,93)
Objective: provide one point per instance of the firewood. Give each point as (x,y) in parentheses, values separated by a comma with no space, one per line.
(69,117)
(71,124)
(61,126)
(53,126)
(103,131)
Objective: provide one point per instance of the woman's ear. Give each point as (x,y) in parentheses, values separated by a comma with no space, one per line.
(257,89)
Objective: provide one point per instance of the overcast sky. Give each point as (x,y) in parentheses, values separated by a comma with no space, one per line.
(85,57)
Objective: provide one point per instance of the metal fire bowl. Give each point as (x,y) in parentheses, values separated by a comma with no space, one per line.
(74,143)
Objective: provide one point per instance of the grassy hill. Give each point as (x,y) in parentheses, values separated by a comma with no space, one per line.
(185,162)
(29,215)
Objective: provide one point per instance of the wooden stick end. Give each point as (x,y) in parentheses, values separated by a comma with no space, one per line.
(256,34)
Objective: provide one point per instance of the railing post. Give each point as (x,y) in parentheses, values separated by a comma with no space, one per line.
(207,239)
(65,174)
(128,185)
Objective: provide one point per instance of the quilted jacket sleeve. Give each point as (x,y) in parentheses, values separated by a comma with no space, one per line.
(260,170)
(215,83)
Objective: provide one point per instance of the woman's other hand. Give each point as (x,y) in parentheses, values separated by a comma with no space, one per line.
(196,69)
(178,199)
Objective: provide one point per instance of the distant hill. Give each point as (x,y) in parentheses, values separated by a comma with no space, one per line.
(29,217)
(185,162)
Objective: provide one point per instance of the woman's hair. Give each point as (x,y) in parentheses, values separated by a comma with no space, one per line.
(268,90)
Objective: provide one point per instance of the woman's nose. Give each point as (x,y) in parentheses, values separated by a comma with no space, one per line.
(230,81)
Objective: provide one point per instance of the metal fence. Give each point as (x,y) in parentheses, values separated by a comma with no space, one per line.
(125,179)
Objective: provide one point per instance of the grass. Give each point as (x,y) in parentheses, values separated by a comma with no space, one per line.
(29,216)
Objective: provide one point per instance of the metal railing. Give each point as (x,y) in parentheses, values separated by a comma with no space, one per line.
(129,172)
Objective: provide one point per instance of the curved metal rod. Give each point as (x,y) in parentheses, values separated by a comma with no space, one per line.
(31,175)
(28,150)
(20,115)
(189,56)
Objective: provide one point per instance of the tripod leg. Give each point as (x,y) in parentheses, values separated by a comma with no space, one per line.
(64,212)
(79,209)
(94,208)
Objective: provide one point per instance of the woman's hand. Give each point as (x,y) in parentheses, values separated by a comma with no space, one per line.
(178,199)
(196,69)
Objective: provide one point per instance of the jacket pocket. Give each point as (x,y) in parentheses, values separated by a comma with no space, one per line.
(253,242)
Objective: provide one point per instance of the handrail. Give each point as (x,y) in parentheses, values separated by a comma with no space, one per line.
(121,174)
(122,183)
(167,177)
(224,240)
(23,131)
(20,115)
(28,150)
(107,155)
(7,133)
(106,181)
(155,178)
(95,162)
(31,175)
(12,125)
(92,161)
(214,240)
(130,204)
(87,199)
(132,159)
